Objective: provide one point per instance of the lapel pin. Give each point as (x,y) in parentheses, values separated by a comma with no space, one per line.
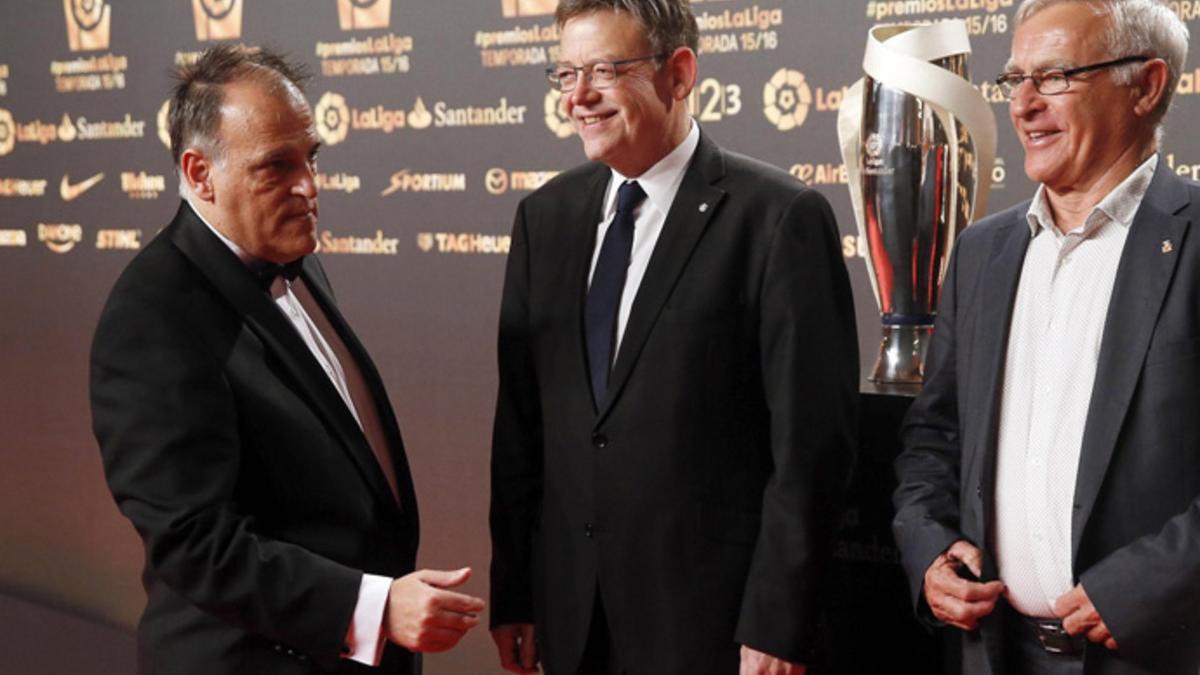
(703,207)
(1167,246)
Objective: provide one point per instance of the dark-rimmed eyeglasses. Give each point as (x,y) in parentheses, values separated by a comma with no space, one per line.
(1056,80)
(601,74)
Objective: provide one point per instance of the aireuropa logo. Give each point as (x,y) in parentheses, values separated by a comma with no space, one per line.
(88,24)
(515,8)
(333,118)
(786,99)
(364,14)
(556,115)
(8,132)
(217,19)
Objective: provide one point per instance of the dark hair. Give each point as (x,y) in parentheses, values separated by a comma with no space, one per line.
(195,115)
(668,24)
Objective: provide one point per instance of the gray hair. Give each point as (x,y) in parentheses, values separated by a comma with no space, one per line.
(1135,28)
(668,24)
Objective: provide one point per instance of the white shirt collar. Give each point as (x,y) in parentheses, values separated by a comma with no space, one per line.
(1119,206)
(661,181)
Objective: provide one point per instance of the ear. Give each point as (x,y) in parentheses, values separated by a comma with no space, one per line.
(1149,87)
(682,69)
(195,170)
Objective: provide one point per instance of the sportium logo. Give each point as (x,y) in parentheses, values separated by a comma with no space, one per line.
(217,19)
(364,14)
(515,8)
(88,23)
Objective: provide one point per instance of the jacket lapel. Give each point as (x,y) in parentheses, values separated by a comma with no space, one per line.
(1143,277)
(694,205)
(993,320)
(239,287)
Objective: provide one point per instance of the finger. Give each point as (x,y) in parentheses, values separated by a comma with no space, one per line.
(956,612)
(946,581)
(437,639)
(1111,643)
(1076,623)
(1099,633)
(456,602)
(445,578)
(456,620)
(529,656)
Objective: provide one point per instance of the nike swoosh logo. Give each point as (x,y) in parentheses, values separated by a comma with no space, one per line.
(71,192)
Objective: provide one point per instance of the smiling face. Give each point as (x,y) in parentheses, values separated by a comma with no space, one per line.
(1088,138)
(641,117)
(263,188)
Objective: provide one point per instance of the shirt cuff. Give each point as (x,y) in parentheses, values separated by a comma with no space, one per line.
(364,639)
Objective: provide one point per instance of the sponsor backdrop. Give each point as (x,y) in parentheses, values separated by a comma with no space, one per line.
(436,119)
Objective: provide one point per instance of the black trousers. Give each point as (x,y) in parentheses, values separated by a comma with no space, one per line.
(1024,655)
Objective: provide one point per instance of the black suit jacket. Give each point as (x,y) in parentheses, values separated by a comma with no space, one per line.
(1136,527)
(255,492)
(699,499)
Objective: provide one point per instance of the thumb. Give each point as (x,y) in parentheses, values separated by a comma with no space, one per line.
(969,555)
(445,578)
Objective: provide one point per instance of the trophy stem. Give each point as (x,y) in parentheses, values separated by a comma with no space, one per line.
(902,354)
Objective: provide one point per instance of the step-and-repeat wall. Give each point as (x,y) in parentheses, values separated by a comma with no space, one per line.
(436,120)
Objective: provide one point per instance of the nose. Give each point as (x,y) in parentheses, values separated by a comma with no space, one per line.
(306,182)
(583,91)
(1025,100)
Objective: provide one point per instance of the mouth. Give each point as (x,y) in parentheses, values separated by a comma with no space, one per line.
(1041,136)
(591,120)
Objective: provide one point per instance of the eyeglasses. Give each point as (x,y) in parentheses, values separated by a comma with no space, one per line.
(600,74)
(1056,80)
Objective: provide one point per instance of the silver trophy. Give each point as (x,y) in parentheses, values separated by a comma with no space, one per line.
(919,174)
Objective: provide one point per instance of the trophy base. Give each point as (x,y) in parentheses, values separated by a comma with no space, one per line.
(902,355)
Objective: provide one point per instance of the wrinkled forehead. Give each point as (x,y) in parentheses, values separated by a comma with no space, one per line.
(1061,36)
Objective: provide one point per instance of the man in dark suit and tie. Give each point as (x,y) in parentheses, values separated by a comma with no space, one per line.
(678,382)
(244,430)
(1049,498)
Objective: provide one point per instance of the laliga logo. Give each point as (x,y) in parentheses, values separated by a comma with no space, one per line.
(513,8)
(88,23)
(333,118)
(217,19)
(164,124)
(8,132)
(556,115)
(419,117)
(786,98)
(364,14)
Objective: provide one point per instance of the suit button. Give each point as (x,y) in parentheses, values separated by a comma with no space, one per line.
(599,440)
(587,530)
(979,491)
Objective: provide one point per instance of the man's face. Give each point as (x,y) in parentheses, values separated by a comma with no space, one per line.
(264,185)
(1073,139)
(633,123)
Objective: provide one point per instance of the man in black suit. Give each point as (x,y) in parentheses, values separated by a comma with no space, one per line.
(1049,498)
(678,382)
(244,430)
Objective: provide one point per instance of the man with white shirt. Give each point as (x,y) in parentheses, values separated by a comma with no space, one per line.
(244,430)
(678,383)
(1049,498)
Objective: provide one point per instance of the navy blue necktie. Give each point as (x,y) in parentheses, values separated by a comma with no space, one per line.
(604,295)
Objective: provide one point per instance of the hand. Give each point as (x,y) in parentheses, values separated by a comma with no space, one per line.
(423,617)
(954,600)
(755,662)
(518,651)
(1079,615)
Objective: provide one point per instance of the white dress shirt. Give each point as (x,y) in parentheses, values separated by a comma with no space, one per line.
(365,636)
(660,183)
(1054,343)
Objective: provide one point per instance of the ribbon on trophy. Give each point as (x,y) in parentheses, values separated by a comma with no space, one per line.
(901,56)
